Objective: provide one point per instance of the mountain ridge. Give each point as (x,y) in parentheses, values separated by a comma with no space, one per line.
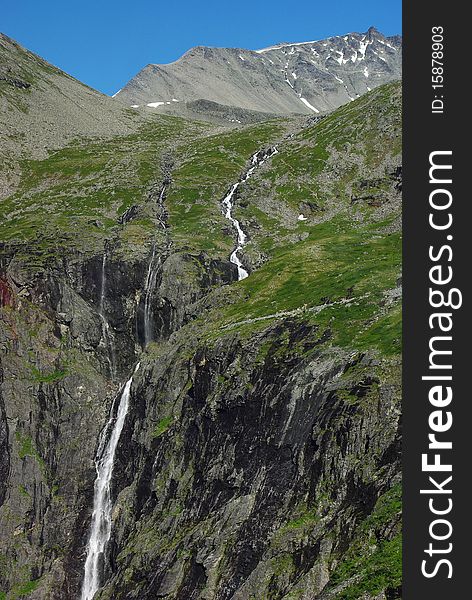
(260,456)
(287,78)
(43,108)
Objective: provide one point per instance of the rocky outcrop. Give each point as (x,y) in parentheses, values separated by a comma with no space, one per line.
(18,83)
(6,296)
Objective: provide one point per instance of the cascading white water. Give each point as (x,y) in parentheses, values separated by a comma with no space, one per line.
(234,258)
(106,330)
(100,529)
(150,283)
(149,286)
(256,161)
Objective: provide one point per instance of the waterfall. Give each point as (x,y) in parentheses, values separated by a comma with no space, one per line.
(241,239)
(149,287)
(107,335)
(100,529)
(227,204)
(162,193)
(151,279)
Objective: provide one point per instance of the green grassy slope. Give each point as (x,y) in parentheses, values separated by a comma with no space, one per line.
(338,173)
(85,188)
(339,268)
(207,167)
(73,199)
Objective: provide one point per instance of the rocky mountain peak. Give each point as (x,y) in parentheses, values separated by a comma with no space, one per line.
(287,78)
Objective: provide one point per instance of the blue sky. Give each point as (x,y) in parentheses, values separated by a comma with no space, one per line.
(105,43)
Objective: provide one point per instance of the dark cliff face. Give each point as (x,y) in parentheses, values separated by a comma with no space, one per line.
(4,449)
(240,470)
(246,466)
(56,393)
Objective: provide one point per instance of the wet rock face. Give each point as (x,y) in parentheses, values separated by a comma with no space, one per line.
(238,472)
(71,296)
(182,280)
(4,449)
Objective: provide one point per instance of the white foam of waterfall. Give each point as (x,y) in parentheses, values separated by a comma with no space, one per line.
(257,160)
(107,335)
(149,286)
(241,240)
(100,528)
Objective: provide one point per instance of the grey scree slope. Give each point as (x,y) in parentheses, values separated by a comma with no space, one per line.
(305,78)
(43,109)
(52,107)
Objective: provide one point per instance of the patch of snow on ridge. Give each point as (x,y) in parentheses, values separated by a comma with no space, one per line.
(116,93)
(362,48)
(159,103)
(277,46)
(302,217)
(381,57)
(387,44)
(310,106)
(135,106)
(366,72)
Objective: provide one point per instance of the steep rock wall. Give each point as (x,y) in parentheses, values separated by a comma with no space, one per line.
(245,472)
(56,391)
